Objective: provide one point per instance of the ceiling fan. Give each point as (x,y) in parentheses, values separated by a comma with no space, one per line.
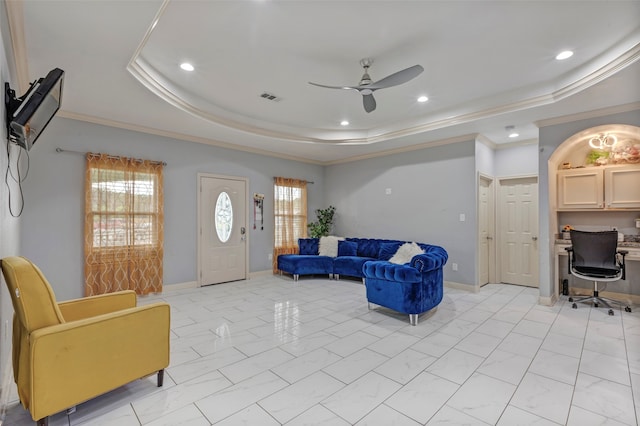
(366,87)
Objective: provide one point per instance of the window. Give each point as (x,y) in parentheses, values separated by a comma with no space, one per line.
(223,217)
(290,213)
(123,225)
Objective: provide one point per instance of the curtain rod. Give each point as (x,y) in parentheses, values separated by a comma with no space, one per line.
(59,150)
(307,181)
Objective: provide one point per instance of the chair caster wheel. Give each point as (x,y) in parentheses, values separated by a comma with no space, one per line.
(571,299)
(574,306)
(627,309)
(595,305)
(611,312)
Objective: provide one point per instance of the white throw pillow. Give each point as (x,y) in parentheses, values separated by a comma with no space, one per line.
(329,246)
(405,253)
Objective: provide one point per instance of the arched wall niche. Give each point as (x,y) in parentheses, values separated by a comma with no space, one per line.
(574,149)
(578,144)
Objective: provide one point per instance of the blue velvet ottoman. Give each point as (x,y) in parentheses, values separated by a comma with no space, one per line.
(305,264)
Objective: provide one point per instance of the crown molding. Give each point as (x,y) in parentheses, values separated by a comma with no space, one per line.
(509,145)
(588,115)
(385,153)
(486,141)
(618,64)
(219,144)
(151,79)
(180,136)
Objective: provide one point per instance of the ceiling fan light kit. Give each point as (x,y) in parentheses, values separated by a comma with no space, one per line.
(366,87)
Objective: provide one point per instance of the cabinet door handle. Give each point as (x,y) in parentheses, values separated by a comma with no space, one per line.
(534,238)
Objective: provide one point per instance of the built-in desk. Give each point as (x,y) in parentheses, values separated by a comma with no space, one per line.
(632,247)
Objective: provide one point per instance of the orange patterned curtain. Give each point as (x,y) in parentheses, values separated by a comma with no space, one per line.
(124,220)
(290,213)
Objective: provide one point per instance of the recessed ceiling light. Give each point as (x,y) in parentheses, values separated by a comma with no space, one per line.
(423,99)
(514,135)
(564,55)
(344,123)
(186,66)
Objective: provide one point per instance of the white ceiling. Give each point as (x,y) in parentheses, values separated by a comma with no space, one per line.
(488,65)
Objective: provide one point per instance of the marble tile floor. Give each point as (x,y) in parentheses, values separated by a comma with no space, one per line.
(269,351)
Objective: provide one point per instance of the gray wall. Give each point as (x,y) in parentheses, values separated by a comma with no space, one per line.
(9,226)
(485,159)
(430,188)
(550,138)
(517,161)
(52,232)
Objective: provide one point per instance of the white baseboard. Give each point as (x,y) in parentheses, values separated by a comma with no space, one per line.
(459,286)
(194,284)
(548,300)
(264,273)
(180,286)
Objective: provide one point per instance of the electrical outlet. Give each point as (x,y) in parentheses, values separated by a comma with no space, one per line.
(454,266)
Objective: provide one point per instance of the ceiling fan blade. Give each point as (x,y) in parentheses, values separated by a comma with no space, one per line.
(334,87)
(369,102)
(397,78)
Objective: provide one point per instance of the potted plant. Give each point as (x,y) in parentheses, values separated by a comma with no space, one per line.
(324,223)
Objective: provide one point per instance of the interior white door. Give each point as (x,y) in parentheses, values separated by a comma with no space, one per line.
(518,225)
(485,230)
(223,229)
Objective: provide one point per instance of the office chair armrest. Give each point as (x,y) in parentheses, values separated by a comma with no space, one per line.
(91,306)
(569,254)
(623,253)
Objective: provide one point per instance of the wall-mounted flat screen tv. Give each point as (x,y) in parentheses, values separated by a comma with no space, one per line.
(28,116)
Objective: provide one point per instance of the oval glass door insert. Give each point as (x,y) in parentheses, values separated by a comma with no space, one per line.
(224,217)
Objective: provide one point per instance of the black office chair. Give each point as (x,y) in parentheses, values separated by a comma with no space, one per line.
(594,256)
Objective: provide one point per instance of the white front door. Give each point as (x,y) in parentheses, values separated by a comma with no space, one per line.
(518,227)
(222,221)
(485,231)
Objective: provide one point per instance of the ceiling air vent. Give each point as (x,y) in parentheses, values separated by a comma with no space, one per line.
(270,97)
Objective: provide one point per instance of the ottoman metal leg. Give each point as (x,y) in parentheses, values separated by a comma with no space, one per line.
(413,319)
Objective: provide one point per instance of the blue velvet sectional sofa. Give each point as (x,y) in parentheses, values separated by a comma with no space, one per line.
(411,288)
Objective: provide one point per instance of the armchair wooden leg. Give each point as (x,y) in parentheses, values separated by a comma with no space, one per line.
(43,421)
(160,378)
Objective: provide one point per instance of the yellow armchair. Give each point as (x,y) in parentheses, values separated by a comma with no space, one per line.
(67,353)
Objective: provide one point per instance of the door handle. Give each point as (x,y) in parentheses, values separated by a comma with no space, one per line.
(243,230)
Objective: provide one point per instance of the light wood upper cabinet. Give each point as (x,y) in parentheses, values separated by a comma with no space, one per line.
(622,187)
(597,188)
(580,189)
